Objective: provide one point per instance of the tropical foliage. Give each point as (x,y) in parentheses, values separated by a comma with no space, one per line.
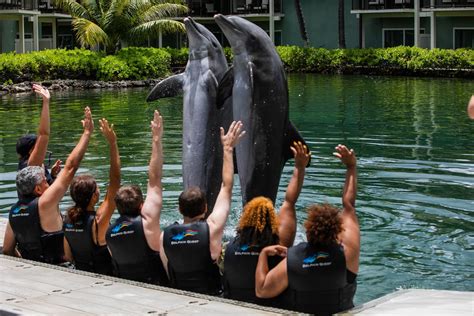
(108,23)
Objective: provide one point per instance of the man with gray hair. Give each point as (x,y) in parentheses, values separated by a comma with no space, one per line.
(34,229)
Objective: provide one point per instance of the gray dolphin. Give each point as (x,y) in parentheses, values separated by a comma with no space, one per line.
(259,89)
(202,150)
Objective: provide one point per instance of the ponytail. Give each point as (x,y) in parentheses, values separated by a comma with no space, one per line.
(81,190)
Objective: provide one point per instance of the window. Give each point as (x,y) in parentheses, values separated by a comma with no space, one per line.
(399,37)
(463,38)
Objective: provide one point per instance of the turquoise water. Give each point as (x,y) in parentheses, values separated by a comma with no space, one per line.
(416,164)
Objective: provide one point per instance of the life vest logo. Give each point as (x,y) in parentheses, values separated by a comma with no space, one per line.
(71,228)
(247,250)
(118,229)
(20,210)
(179,237)
(319,259)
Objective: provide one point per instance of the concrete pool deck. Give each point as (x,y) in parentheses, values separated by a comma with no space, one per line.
(28,287)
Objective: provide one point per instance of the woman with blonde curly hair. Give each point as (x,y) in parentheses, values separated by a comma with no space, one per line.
(259,226)
(318,276)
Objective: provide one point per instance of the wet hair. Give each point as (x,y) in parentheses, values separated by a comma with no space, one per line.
(24,144)
(258,224)
(129,199)
(192,202)
(28,178)
(323,224)
(82,189)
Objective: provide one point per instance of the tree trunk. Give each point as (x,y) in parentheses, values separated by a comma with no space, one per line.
(301,23)
(342,34)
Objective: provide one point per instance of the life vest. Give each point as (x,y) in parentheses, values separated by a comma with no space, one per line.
(317,280)
(87,254)
(132,258)
(190,265)
(32,241)
(240,263)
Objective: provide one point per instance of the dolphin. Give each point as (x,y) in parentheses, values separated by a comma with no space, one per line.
(258,88)
(202,149)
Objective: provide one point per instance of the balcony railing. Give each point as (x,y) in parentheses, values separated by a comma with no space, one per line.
(381,4)
(447,3)
(209,8)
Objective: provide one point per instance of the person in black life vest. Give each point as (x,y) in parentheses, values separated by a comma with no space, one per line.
(319,276)
(84,228)
(31,148)
(259,227)
(190,251)
(35,222)
(133,239)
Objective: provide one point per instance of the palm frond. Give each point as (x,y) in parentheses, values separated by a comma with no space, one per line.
(152,28)
(88,33)
(72,7)
(161,11)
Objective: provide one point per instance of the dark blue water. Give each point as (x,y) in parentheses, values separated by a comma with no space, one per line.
(413,139)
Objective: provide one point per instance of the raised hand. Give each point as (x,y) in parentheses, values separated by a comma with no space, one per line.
(157,126)
(56,168)
(233,136)
(107,130)
(301,154)
(347,156)
(87,122)
(41,91)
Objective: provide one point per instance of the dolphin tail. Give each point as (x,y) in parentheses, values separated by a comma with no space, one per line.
(225,87)
(169,87)
(292,135)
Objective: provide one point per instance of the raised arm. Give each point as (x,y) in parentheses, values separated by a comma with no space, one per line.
(470,108)
(287,215)
(49,200)
(41,146)
(271,283)
(151,210)
(106,209)
(350,237)
(218,217)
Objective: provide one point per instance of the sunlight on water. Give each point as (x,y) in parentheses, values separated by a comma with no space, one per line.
(412,137)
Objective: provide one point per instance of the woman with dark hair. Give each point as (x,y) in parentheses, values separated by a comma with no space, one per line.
(259,226)
(85,228)
(318,276)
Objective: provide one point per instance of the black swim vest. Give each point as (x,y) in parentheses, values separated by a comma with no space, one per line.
(317,280)
(239,273)
(32,241)
(190,265)
(88,255)
(132,258)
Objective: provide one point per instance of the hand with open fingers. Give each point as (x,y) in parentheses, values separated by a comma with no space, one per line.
(348,157)
(56,168)
(301,154)
(157,126)
(233,136)
(276,250)
(41,91)
(108,130)
(87,122)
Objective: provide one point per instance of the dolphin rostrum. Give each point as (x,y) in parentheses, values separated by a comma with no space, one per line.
(202,150)
(258,88)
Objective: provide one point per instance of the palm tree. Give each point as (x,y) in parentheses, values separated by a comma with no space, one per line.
(105,23)
(342,33)
(301,22)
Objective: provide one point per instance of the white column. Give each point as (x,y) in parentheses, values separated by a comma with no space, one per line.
(160,39)
(433,30)
(35,33)
(362,32)
(271,20)
(417,23)
(54,26)
(21,30)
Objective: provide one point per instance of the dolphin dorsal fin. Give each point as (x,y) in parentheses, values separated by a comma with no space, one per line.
(225,87)
(169,87)
(292,135)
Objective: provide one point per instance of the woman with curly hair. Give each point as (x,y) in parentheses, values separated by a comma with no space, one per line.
(259,226)
(318,276)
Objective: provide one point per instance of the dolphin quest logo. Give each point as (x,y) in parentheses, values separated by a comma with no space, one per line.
(20,210)
(318,259)
(118,228)
(181,238)
(247,250)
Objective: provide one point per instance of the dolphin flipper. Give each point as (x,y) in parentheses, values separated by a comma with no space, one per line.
(169,87)
(292,135)
(225,87)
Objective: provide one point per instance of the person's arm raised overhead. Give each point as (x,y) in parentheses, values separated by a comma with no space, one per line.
(41,146)
(49,200)
(270,283)
(350,237)
(106,209)
(287,214)
(218,217)
(151,210)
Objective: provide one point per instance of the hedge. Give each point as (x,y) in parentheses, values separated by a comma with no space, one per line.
(136,63)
